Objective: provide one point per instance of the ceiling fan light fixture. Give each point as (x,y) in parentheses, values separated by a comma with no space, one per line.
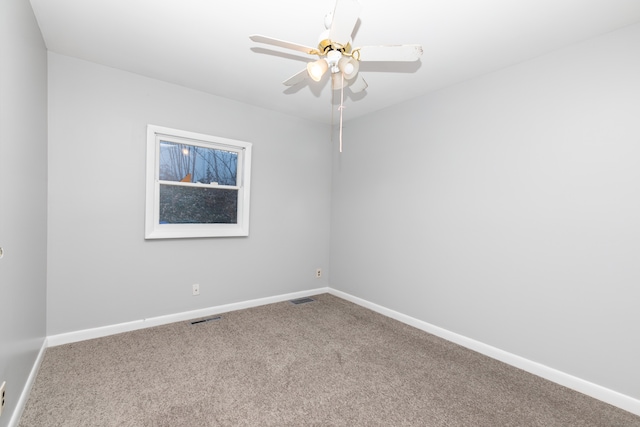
(348,66)
(338,55)
(317,69)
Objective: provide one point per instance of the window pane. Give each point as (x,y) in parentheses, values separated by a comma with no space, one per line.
(192,205)
(196,185)
(191,163)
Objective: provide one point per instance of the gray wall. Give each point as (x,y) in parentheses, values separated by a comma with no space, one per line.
(506,209)
(101,270)
(23,196)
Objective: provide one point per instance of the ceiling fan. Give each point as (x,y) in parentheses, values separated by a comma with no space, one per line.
(336,53)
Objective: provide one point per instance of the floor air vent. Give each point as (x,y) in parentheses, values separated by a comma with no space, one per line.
(195,322)
(301,300)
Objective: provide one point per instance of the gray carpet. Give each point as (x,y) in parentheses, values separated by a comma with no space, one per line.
(324,363)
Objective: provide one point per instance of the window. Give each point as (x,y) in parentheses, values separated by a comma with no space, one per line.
(197,185)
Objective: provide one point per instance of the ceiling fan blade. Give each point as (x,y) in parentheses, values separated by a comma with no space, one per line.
(358,84)
(296,78)
(281,43)
(406,52)
(345,16)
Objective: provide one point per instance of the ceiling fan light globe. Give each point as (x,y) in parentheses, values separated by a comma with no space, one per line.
(349,67)
(317,69)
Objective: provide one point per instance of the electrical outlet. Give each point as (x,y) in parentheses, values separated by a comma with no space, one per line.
(318,273)
(196,289)
(3,391)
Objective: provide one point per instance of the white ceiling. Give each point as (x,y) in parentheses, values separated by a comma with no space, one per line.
(204,44)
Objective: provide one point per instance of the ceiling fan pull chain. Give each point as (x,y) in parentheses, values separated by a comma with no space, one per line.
(341,108)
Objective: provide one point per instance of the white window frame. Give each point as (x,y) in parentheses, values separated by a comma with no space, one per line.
(153,228)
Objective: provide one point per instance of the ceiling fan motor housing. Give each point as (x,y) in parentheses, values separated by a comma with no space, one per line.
(326,45)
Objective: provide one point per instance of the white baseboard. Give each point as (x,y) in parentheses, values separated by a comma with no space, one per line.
(103,331)
(590,389)
(26,390)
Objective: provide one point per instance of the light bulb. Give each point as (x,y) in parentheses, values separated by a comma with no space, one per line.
(349,67)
